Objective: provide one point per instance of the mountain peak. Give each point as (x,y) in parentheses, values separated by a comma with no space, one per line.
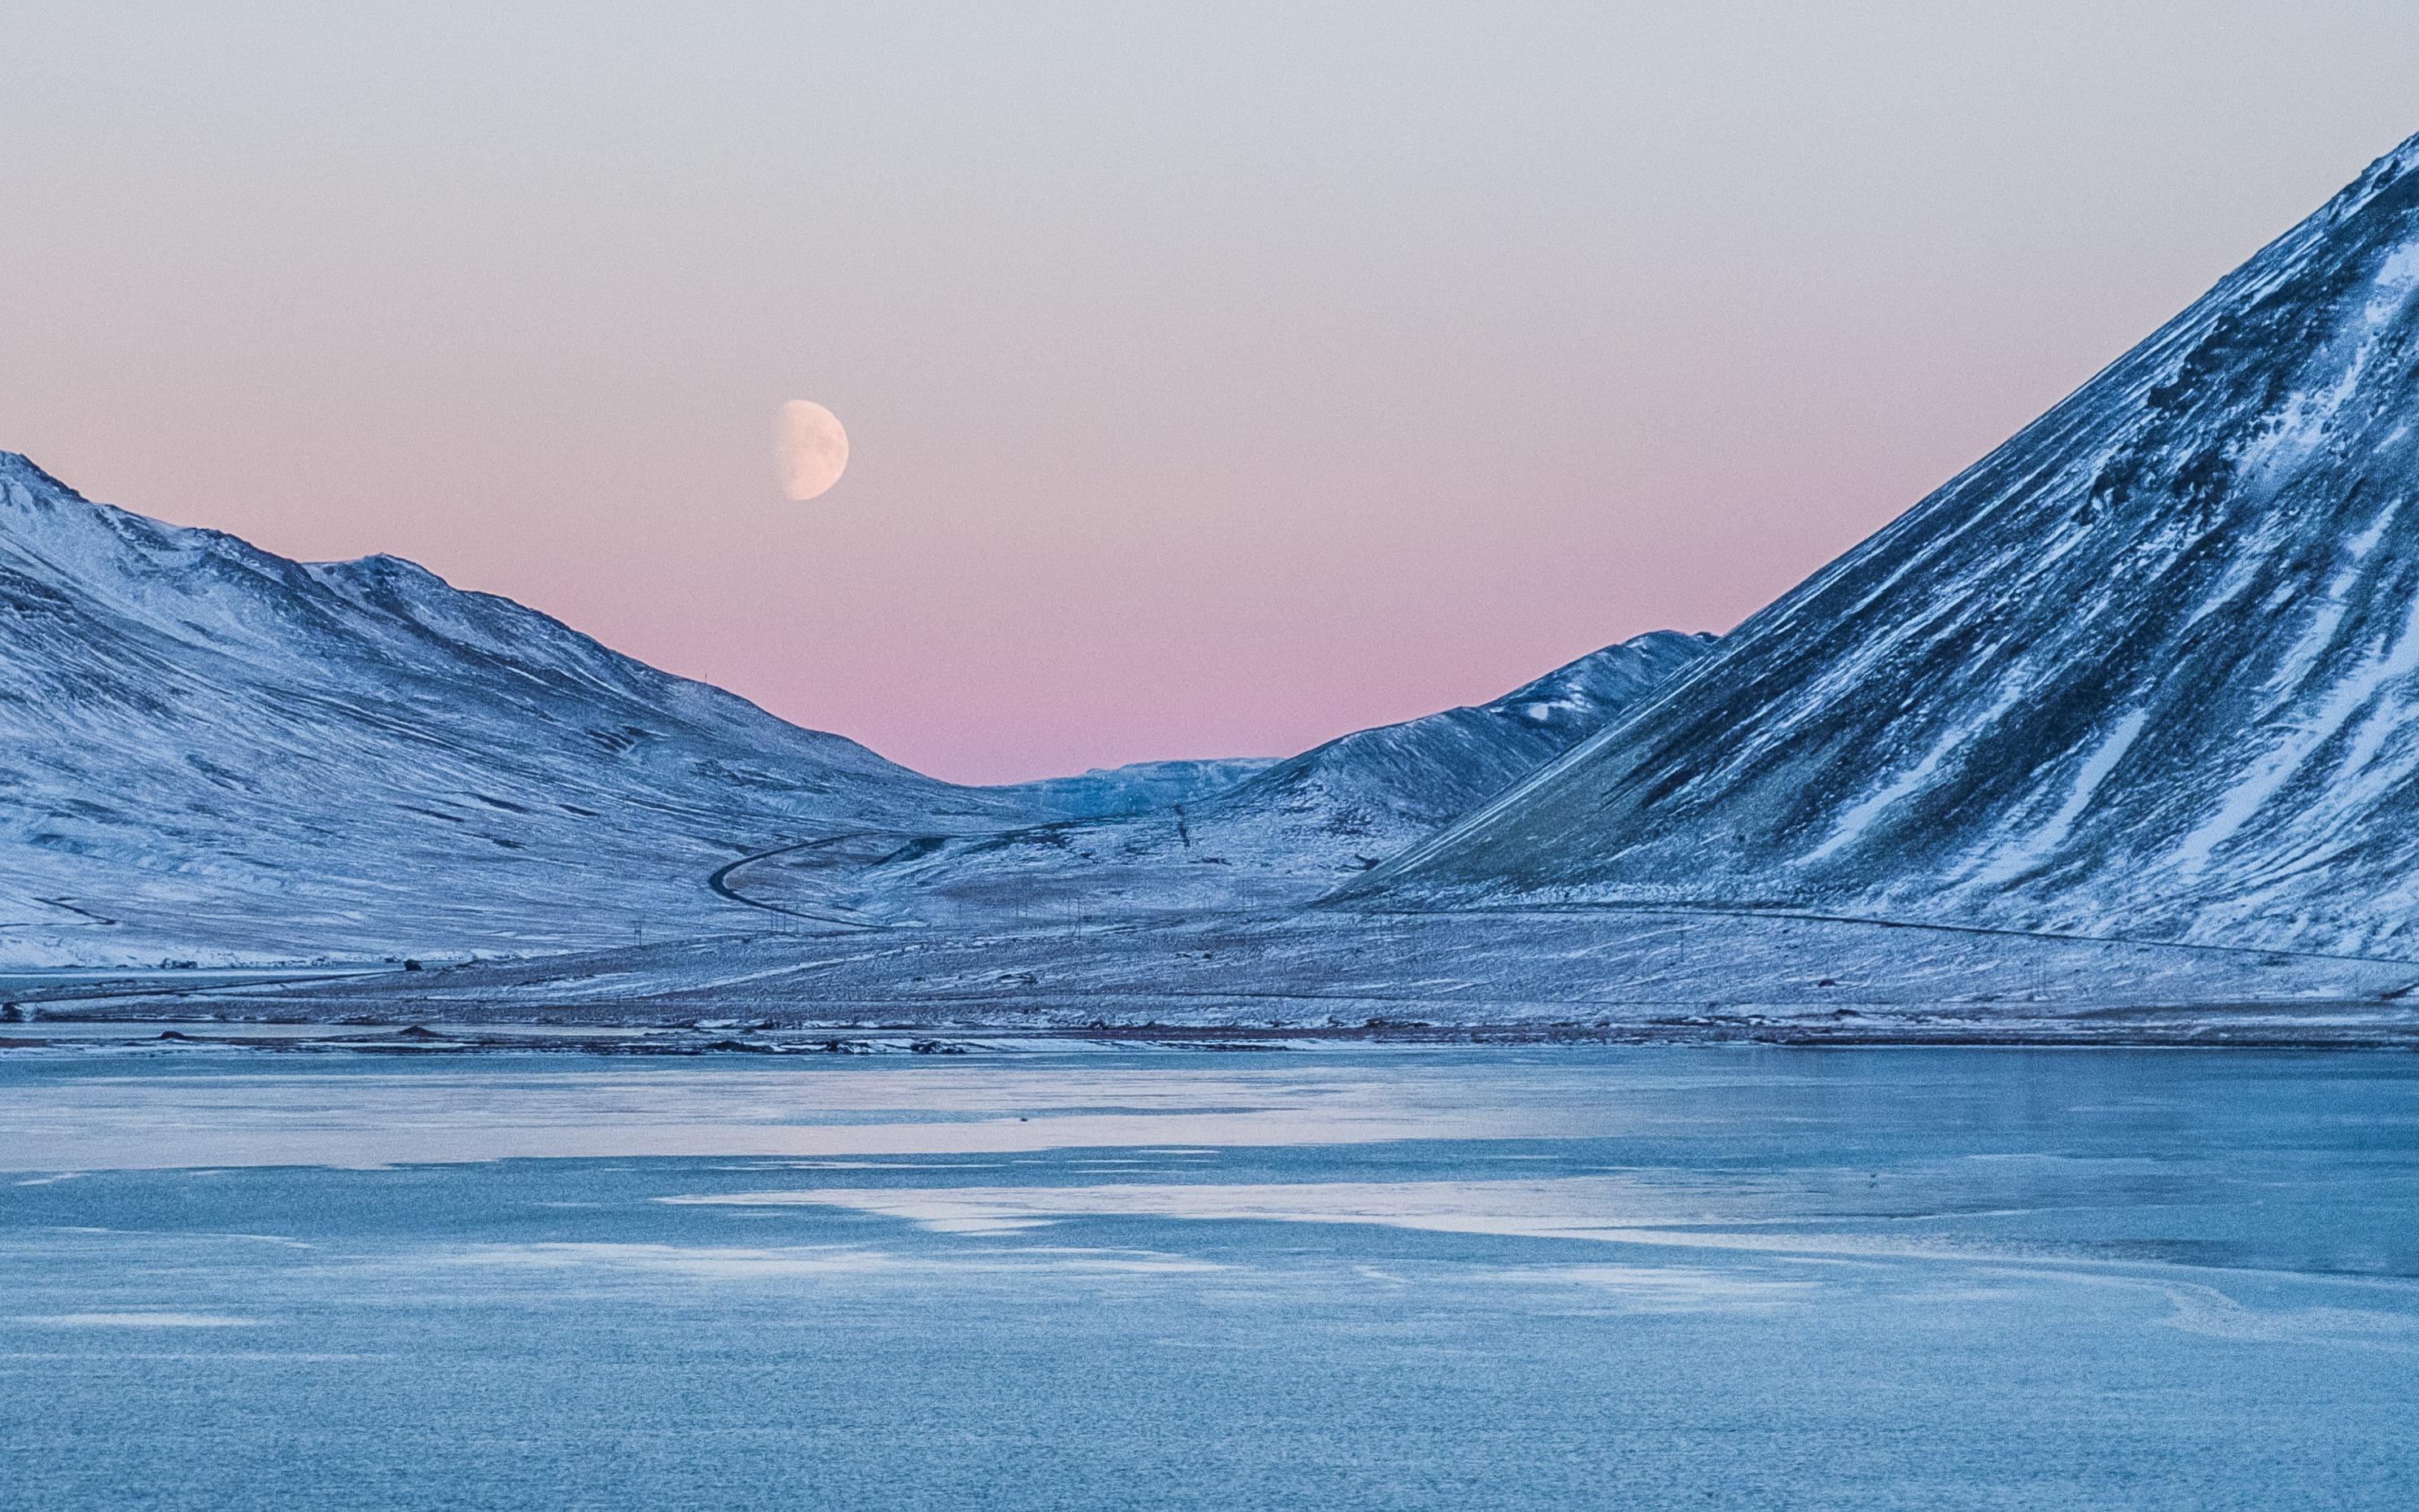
(17,466)
(2393,165)
(381,567)
(2151,667)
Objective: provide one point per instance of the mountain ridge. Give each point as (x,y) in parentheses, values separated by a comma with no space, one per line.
(227,754)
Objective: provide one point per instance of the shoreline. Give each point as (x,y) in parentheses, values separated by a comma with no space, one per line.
(118,1034)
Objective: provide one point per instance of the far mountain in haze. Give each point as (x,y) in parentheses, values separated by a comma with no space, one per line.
(1139,787)
(2150,670)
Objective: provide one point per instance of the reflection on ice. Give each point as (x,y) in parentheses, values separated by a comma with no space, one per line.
(134,1319)
(1570,1208)
(723,1263)
(356,1118)
(1660,1289)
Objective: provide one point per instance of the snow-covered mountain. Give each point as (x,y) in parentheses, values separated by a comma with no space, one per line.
(2151,668)
(207,750)
(1274,840)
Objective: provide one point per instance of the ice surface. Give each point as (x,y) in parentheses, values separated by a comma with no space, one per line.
(1637,1278)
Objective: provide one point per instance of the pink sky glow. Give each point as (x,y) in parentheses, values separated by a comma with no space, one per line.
(1217,380)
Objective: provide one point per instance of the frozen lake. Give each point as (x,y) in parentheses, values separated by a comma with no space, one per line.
(1636,1278)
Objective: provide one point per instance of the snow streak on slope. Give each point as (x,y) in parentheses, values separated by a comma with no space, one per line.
(1271,840)
(2151,668)
(210,751)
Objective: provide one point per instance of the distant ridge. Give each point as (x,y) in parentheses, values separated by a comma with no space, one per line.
(1399,781)
(1271,840)
(1139,787)
(2150,670)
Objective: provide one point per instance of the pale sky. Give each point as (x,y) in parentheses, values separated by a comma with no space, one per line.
(1217,378)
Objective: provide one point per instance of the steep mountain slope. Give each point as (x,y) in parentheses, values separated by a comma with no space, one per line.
(210,751)
(1271,840)
(2148,670)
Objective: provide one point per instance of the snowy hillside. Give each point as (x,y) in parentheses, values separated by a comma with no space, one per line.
(1271,840)
(2150,670)
(210,751)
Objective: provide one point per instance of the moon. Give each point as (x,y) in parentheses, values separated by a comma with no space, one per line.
(812,449)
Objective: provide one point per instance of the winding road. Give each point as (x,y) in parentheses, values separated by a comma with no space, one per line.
(720,880)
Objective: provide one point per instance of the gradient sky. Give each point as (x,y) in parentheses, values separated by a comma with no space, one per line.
(1219,378)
